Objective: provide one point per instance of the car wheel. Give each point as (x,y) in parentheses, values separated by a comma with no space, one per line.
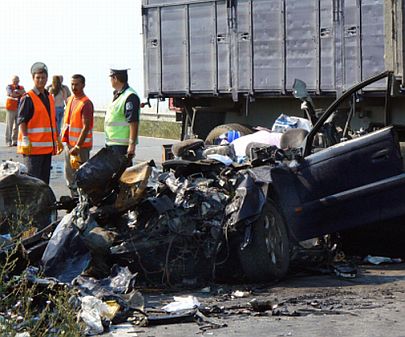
(25,201)
(267,255)
(221,129)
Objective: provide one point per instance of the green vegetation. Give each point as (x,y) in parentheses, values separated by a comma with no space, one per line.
(160,129)
(147,128)
(39,309)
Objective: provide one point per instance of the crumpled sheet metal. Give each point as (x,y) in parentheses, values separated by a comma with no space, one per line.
(180,243)
(184,188)
(175,232)
(248,201)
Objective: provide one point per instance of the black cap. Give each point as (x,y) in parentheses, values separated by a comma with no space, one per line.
(118,72)
(39,67)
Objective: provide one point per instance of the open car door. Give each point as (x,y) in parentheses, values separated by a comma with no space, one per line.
(355,180)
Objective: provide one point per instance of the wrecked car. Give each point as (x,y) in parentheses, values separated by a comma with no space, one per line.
(335,177)
(209,216)
(340,178)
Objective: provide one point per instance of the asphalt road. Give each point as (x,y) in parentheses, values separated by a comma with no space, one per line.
(147,149)
(371,305)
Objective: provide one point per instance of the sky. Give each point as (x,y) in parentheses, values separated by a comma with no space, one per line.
(72,36)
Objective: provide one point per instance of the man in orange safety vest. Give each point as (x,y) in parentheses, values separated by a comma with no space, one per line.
(37,137)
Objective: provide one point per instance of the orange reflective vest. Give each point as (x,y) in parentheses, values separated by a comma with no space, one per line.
(41,128)
(12,102)
(73,124)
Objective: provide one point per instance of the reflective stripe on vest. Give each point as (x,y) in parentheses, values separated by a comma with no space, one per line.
(73,124)
(41,144)
(117,123)
(41,128)
(116,141)
(116,127)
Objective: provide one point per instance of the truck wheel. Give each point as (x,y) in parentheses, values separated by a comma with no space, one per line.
(221,129)
(267,256)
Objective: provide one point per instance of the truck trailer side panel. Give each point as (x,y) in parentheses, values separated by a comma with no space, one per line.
(249,47)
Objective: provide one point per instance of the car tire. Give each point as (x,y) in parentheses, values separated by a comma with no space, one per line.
(221,129)
(267,256)
(26,200)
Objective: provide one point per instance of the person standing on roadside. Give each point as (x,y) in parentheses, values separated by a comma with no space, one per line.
(37,137)
(65,88)
(77,130)
(60,99)
(14,93)
(122,116)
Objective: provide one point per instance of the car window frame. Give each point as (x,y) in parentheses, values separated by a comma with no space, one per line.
(308,144)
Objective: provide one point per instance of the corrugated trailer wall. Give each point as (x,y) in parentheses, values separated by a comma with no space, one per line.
(211,47)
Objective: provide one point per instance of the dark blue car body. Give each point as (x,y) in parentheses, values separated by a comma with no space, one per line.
(349,184)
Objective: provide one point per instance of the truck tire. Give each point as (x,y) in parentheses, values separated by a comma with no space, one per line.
(221,129)
(267,256)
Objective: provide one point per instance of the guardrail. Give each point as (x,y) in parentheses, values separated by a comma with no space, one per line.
(147,113)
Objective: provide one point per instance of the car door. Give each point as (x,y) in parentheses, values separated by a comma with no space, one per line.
(343,186)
